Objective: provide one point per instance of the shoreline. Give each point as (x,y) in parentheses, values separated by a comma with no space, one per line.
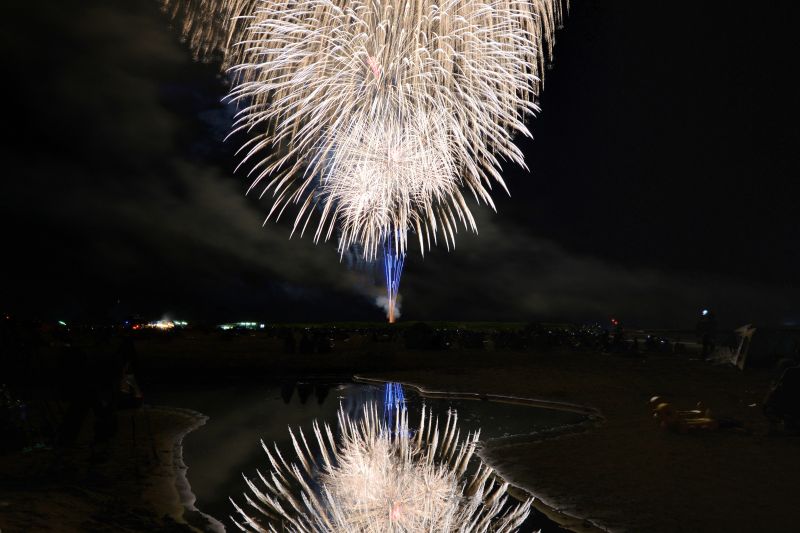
(589,412)
(139,486)
(191,514)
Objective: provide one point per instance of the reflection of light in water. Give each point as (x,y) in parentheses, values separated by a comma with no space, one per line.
(393,400)
(372,478)
(393,396)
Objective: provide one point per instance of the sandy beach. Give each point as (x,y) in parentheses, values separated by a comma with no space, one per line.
(135,489)
(620,473)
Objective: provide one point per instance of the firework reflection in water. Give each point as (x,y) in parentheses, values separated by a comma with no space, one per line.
(394,399)
(376,477)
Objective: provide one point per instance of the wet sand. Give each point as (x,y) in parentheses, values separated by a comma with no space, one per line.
(136,489)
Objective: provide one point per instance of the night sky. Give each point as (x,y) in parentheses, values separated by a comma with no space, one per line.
(663,180)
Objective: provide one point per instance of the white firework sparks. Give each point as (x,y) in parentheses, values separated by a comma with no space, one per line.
(209,27)
(380,479)
(376,115)
(335,93)
(423,174)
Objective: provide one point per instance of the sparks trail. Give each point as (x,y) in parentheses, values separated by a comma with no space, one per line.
(393,262)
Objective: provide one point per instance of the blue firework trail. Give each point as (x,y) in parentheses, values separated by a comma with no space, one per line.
(393,261)
(393,399)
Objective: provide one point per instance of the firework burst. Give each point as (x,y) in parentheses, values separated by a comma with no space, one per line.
(376,116)
(380,477)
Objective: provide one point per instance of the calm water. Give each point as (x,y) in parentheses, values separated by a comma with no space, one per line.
(240,416)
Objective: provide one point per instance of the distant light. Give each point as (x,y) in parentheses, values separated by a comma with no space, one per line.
(62,323)
(161,324)
(705,312)
(241,325)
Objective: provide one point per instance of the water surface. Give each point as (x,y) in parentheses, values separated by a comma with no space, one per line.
(241,415)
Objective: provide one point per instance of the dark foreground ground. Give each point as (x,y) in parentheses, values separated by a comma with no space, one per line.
(625,474)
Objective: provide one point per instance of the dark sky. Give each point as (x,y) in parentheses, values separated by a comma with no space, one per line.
(663,180)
